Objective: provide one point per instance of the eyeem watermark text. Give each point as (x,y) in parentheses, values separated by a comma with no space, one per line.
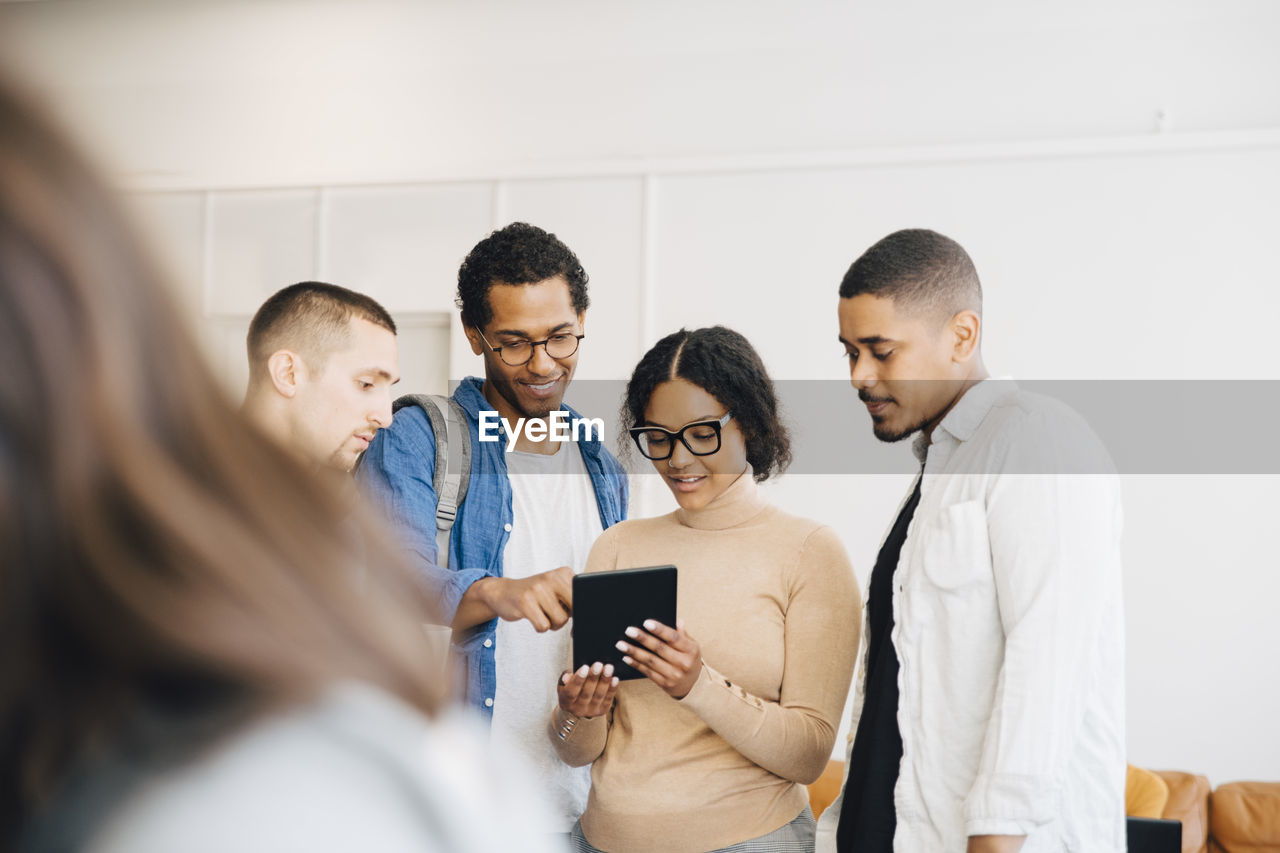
(557,426)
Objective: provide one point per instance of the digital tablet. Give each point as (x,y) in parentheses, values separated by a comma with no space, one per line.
(606,603)
(1147,835)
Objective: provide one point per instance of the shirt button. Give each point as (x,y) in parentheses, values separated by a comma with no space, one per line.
(488,644)
(506,527)
(488,703)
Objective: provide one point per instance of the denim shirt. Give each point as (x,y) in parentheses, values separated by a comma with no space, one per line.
(397,472)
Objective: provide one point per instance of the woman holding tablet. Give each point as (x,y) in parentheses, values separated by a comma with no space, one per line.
(742,696)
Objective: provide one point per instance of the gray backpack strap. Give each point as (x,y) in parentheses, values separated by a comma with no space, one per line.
(452,463)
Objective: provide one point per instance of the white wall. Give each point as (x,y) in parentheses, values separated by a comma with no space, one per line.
(1113,168)
(296,92)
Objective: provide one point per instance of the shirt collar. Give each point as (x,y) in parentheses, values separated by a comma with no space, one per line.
(967,414)
(471,396)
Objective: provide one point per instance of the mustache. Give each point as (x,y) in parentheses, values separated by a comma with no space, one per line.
(867,398)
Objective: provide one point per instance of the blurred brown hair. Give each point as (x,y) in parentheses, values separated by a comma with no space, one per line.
(151,541)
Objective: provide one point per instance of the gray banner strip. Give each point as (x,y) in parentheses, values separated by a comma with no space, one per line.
(1146,427)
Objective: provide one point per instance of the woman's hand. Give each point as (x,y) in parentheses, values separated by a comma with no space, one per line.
(668,657)
(588,692)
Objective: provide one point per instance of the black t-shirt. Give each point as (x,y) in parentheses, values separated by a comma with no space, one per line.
(867,817)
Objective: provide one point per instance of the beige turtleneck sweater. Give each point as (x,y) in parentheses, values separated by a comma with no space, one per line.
(773,603)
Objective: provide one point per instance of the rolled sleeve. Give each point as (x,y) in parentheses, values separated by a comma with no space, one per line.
(995,799)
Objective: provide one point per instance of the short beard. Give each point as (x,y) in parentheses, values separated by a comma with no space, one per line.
(889,436)
(338,461)
(886,435)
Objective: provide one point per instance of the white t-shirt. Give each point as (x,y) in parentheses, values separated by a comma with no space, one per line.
(555,522)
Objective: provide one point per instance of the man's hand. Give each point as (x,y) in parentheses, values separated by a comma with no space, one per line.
(668,657)
(995,843)
(588,692)
(545,599)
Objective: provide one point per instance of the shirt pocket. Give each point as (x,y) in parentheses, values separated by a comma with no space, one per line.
(956,552)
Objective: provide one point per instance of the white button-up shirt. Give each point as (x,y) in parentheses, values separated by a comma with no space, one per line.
(1009,632)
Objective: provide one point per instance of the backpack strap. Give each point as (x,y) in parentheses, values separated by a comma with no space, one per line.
(452,463)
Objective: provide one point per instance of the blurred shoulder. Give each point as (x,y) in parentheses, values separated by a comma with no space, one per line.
(356,769)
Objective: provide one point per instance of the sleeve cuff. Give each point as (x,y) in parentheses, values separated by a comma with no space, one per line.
(1008,804)
(450,594)
(563,723)
(454,587)
(712,689)
(577,740)
(995,827)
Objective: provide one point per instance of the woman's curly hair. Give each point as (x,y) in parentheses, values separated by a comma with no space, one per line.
(725,365)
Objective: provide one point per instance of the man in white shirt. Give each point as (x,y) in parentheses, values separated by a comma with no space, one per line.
(989,715)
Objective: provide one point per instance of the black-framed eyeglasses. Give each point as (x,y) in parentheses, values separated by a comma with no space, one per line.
(702,438)
(515,354)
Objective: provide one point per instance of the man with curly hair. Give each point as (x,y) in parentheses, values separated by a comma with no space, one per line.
(534,505)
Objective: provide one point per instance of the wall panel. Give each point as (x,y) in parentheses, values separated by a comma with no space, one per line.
(403,245)
(260,240)
(600,220)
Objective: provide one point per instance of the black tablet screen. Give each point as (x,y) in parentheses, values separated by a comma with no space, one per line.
(606,603)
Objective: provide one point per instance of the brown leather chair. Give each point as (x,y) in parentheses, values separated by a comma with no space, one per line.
(1239,817)
(1244,817)
(1189,803)
(1145,793)
(824,791)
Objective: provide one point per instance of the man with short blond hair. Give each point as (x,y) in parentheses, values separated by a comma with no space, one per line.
(322,360)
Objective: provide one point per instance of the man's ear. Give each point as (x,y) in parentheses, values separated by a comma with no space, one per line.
(287,372)
(473,337)
(582,323)
(966,328)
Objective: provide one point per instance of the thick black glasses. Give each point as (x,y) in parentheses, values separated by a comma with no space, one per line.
(521,352)
(702,438)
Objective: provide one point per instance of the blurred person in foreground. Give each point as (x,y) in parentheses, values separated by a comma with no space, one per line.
(185,665)
(322,360)
(989,716)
